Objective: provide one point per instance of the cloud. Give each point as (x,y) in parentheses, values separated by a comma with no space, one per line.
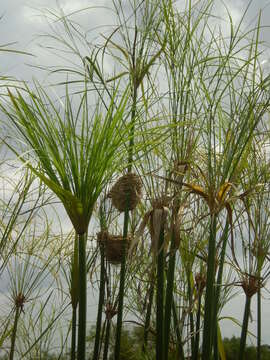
(23,20)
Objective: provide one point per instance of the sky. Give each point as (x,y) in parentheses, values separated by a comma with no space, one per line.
(23,21)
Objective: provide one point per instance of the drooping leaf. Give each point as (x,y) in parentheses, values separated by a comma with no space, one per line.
(223,191)
(221,349)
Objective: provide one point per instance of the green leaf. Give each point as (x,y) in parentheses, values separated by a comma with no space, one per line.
(72,204)
(221,349)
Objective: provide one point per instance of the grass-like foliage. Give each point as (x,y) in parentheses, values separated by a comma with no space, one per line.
(175,98)
(73,152)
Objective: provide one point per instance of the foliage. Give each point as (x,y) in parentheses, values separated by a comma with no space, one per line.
(185,107)
(232,350)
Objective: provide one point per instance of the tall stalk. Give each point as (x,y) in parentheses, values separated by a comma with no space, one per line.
(160,298)
(190,313)
(121,290)
(82,297)
(259,324)
(125,233)
(148,315)
(169,289)
(107,339)
(74,291)
(224,240)
(14,332)
(73,333)
(244,328)
(169,298)
(103,226)
(209,296)
(100,303)
(195,351)
(180,349)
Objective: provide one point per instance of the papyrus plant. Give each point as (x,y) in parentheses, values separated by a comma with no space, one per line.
(26,275)
(19,202)
(135,54)
(252,250)
(232,98)
(75,154)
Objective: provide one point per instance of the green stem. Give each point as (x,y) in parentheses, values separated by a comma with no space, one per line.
(74,297)
(259,324)
(101,340)
(107,339)
(100,303)
(224,240)
(125,232)
(148,316)
(82,297)
(121,290)
(169,297)
(191,319)
(198,324)
(180,349)
(14,332)
(209,296)
(160,299)
(244,328)
(73,333)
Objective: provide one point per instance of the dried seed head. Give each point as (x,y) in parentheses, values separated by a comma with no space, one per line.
(126,187)
(200,281)
(110,311)
(19,301)
(251,285)
(113,246)
(158,222)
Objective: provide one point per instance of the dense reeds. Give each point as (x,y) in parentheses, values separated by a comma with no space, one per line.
(160,161)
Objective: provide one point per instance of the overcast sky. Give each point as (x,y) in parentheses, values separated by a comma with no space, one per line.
(23,20)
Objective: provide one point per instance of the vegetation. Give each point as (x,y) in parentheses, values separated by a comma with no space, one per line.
(132,341)
(156,149)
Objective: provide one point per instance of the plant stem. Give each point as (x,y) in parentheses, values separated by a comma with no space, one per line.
(160,299)
(209,296)
(224,240)
(82,297)
(244,328)
(148,316)
(121,290)
(107,338)
(169,297)
(74,297)
(125,232)
(195,351)
(178,333)
(100,303)
(259,324)
(73,334)
(190,302)
(14,332)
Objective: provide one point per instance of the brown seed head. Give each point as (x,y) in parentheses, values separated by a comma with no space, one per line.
(251,285)
(19,301)
(126,187)
(110,311)
(113,246)
(200,281)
